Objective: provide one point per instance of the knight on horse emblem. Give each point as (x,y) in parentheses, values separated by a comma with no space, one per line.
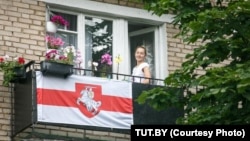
(87,99)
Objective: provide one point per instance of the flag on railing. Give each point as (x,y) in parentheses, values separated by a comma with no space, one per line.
(83,100)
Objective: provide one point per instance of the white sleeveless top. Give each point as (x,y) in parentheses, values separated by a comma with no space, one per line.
(137,71)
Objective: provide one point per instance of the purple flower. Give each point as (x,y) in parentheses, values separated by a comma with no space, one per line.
(106,59)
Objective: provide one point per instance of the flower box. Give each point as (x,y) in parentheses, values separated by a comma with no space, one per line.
(19,73)
(56,69)
(14,70)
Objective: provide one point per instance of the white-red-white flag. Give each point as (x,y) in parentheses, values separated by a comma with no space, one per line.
(83,100)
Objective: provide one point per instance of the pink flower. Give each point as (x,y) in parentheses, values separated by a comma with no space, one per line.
(78,57)
(106,59)
(52,55)
(59,20)
(54,42)
(64,55)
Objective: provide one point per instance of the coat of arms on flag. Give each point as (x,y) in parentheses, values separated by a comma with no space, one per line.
(89,99)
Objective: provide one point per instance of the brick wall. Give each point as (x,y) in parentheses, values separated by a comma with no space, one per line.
(22,28)
(177,50)
(22,31)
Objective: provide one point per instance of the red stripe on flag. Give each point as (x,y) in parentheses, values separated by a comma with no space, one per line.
(117,104)
(69,98)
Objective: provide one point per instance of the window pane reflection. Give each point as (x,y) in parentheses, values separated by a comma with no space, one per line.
(98,41)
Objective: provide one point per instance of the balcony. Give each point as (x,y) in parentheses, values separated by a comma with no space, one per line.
(56,100)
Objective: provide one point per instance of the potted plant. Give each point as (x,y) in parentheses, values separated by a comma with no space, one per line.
(12,69)
(59,62)
(118,60)
(59,21)
(55,22)
(51,27)
(93,67)
(102,67)
(106,65)
(54,42)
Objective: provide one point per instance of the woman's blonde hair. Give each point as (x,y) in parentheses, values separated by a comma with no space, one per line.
(145,50)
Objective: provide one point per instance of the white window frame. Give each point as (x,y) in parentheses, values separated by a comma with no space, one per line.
(120,39)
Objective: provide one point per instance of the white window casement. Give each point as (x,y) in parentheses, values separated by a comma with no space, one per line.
(97,27)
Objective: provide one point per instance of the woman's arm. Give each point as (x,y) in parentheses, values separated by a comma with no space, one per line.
(147,74)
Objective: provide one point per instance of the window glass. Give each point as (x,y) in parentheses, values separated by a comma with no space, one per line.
(72,20)
(68,38)
(98,42)
(68,34)
(146,40)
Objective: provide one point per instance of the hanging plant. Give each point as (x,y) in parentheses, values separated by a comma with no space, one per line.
(59,21)
(51,27)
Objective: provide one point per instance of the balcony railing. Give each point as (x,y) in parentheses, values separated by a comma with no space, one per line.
(25,102)
(111,75)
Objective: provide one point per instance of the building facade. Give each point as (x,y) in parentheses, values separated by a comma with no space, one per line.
(122,24)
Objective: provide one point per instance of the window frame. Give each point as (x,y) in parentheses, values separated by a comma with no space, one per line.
(160,31)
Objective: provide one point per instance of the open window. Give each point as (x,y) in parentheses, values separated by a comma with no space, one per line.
(95,35)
